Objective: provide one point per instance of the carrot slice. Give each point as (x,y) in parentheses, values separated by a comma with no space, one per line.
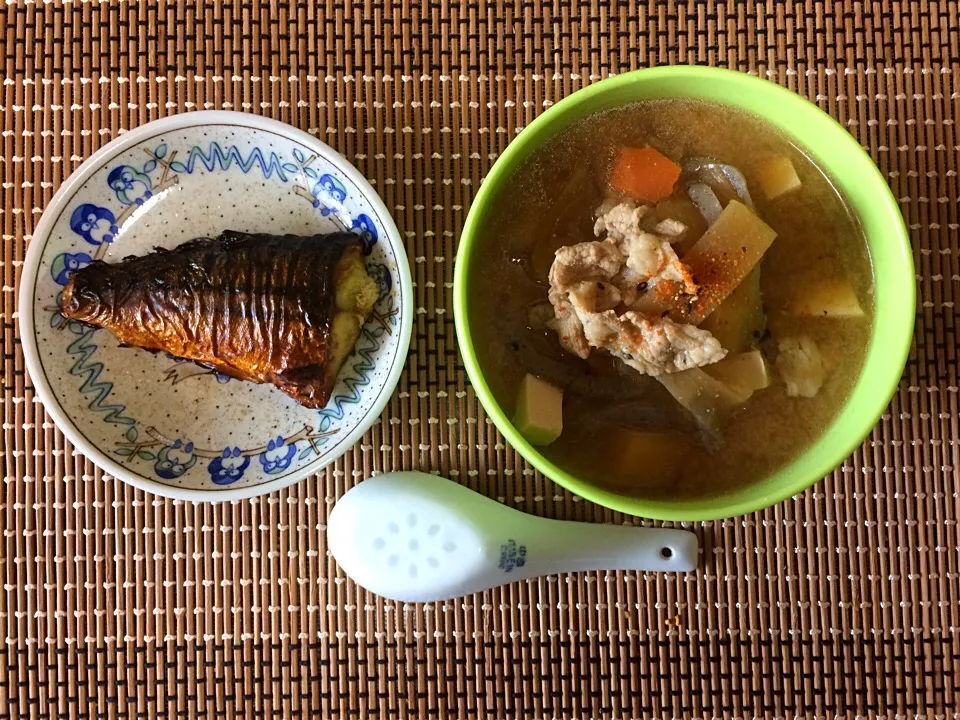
(644,174)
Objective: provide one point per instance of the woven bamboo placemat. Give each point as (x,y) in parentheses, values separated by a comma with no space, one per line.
(842,601)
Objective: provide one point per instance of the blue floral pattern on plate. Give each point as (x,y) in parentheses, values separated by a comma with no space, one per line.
(177,450)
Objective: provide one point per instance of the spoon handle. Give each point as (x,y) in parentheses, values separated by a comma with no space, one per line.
(552,546)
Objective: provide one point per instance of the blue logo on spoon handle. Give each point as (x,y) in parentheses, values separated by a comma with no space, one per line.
(512,555)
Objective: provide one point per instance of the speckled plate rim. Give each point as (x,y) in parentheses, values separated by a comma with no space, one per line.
(67,191)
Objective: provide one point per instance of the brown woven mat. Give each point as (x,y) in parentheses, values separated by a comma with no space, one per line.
(116,604)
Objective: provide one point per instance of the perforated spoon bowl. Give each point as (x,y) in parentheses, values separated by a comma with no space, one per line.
(414,537)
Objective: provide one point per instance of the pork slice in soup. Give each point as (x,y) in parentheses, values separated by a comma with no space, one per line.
(675,300)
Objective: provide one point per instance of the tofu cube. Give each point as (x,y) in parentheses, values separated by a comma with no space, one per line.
(827,298)
(539,414)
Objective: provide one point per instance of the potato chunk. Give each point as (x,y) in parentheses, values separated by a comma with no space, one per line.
(778,177)
(649,456)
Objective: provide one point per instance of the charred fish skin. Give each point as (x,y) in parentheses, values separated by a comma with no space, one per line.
(253,306)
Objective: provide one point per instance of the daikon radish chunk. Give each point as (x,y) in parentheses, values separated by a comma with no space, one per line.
(724,256)
(739,320)
(778,177)
(709,400)
(746,370)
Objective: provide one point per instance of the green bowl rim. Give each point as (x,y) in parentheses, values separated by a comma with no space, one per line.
(886,355)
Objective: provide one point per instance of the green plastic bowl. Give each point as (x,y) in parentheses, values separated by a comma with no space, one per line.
(857,178)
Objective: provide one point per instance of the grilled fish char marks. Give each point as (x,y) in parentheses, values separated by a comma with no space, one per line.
(280,309)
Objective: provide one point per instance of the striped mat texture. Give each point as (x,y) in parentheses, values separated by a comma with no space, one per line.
(842,601)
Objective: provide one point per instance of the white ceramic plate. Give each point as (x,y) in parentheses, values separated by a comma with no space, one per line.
(169,426)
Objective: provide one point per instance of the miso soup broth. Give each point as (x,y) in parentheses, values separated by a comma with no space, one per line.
(688,293)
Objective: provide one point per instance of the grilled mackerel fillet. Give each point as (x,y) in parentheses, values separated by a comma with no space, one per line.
(279,309)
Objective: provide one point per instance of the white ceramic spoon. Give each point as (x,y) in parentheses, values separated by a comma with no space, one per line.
(415,537)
